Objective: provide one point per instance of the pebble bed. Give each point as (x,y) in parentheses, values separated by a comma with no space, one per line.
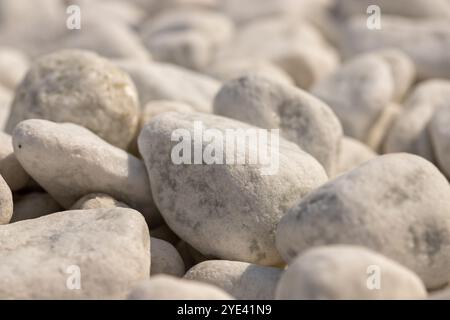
(94,206)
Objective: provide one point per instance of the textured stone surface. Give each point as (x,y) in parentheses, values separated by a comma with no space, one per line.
(240,279)
(302,118)
(398,205)
(110,246)
(69,162)
(164,287)
(347,272)
(229,211)
(79,87)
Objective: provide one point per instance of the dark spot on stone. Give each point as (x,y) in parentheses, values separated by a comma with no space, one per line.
(20,146)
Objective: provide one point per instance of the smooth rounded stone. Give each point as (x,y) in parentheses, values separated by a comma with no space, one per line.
(425,41)
(244,281)
(296,47)
(34,205)
(164,287)
(69,162)
(165,259)
(6,202)
(343,272)
(187,37)
(352,154)
(160,81)
(439,129)
(13,67)
(235,68)
(79,87)
(10,168)
(163,232)
(201,203)
(302,118)
(107,37)
(109,249)
(243,12)
(381,128)
(407,8)
(6,97)
(358,92)
(402,69)
(397,205)
(97,201)
(409,131)
(443,294)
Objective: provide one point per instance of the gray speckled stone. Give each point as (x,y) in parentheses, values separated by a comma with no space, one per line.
(110,246)
(163,287)
(397,204)
(302,118)
(79,87)
(165,259)
(70,161)
(347,272)
(240,279)
(6,202)
(229,211)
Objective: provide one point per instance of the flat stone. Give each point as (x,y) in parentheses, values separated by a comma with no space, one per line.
(107,250)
